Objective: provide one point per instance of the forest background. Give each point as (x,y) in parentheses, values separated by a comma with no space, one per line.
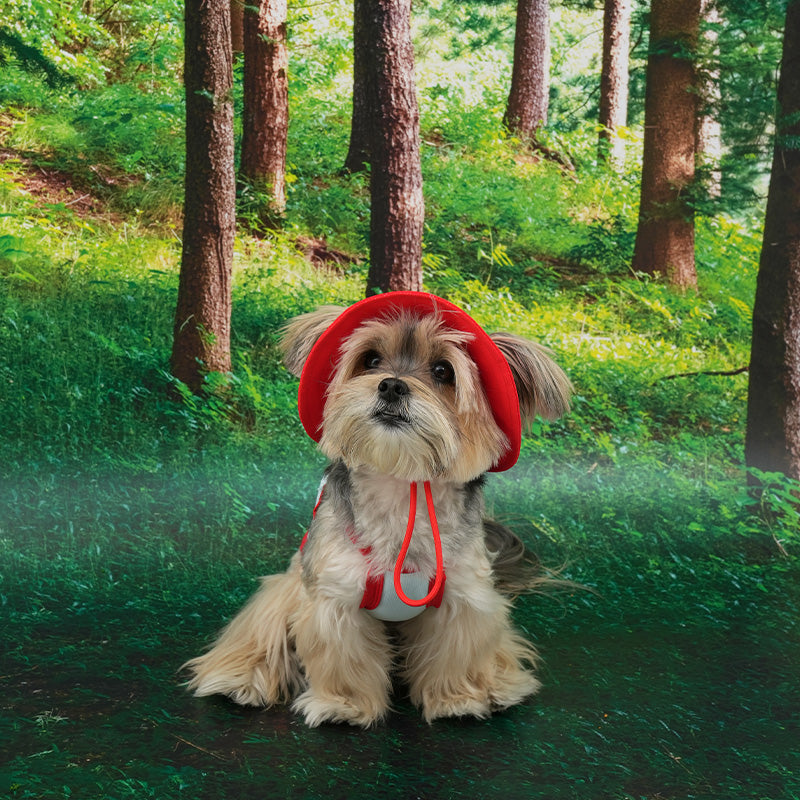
(136,514)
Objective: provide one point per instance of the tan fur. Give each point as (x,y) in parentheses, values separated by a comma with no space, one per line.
(302,332)
(466,660)
(303,637)
(454,435)
(542,386)
(253,660)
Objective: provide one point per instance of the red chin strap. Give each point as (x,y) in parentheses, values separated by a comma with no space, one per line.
(437,543)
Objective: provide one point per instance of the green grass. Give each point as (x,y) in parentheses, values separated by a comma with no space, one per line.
(674,680)
(136,518)
(134,522)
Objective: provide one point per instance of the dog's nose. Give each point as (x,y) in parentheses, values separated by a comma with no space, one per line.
(392,389)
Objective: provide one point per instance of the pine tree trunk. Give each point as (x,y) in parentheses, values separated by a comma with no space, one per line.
(709,130)
(358,155)
(665,234)
(529,95)
(237,26)
(614,81)
(397,209)
(201,341)
(265,118)
(773,409)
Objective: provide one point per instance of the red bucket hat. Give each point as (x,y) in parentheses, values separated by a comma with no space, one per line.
(495,374)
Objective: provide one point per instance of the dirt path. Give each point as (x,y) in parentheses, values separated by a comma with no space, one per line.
(48,186)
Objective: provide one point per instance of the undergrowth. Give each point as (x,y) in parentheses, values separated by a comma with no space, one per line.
(86,317)
(135,515)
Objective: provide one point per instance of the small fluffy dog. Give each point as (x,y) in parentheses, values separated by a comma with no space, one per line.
(401,390)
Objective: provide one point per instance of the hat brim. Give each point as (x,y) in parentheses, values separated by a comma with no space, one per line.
(495,374)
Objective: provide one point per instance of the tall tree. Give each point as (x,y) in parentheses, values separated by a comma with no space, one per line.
(358,155)
(201,341)
(529,95)
(237,25)
(397,206)
(265,117)
(665,233)
(773,408)
(709,128)
(614,80)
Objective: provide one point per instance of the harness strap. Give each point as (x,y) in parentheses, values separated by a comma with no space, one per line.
(373,591)
(438,585)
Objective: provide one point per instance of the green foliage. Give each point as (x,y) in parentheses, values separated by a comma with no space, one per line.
(608,246)
(83,43)
(29,59)
(41,37)
(135,515)
(778,504)
(124,144)
(744,66)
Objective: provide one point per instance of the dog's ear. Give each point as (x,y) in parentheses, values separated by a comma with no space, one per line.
(301,333)
(542,386)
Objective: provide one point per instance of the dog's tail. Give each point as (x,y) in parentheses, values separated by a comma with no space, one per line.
(253,661)
(517,570)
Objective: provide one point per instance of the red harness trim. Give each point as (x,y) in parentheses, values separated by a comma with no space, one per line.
(373,591)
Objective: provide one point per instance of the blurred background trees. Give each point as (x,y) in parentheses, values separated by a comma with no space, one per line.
(529,95)
(688,87)
(665,231)
(265,102)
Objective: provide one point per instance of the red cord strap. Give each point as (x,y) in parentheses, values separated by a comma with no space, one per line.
(437,543)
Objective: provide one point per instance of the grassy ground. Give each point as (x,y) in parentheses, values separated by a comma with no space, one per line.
(134,518)
(676,679)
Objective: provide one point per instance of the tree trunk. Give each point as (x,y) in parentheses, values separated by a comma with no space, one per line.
(201,340)
(614,81)
(398,209)
(265,118)
(665,234)
(709,130)
(528,98)
(358,155)
(773,409)
(237,26)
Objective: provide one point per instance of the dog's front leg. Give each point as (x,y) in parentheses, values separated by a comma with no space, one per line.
(464,658)
(346,656)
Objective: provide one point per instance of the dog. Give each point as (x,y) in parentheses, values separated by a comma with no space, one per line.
(407,396)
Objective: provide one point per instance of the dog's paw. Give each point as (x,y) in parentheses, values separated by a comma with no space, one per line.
(477,699)
(513,688)
(317,709)
(467,704)
(242,690)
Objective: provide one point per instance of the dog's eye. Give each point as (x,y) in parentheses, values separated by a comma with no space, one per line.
(443,372)
(372,360)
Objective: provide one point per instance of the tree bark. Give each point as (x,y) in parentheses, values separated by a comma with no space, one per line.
(397,208)
(201,341)
(237,26)
(358,155)
(709,130)
(529,95)
(614,81)
(665,233)
(265,118)
(773,408)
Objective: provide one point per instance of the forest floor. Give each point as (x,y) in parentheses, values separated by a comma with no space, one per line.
(48,185)
(132,524)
